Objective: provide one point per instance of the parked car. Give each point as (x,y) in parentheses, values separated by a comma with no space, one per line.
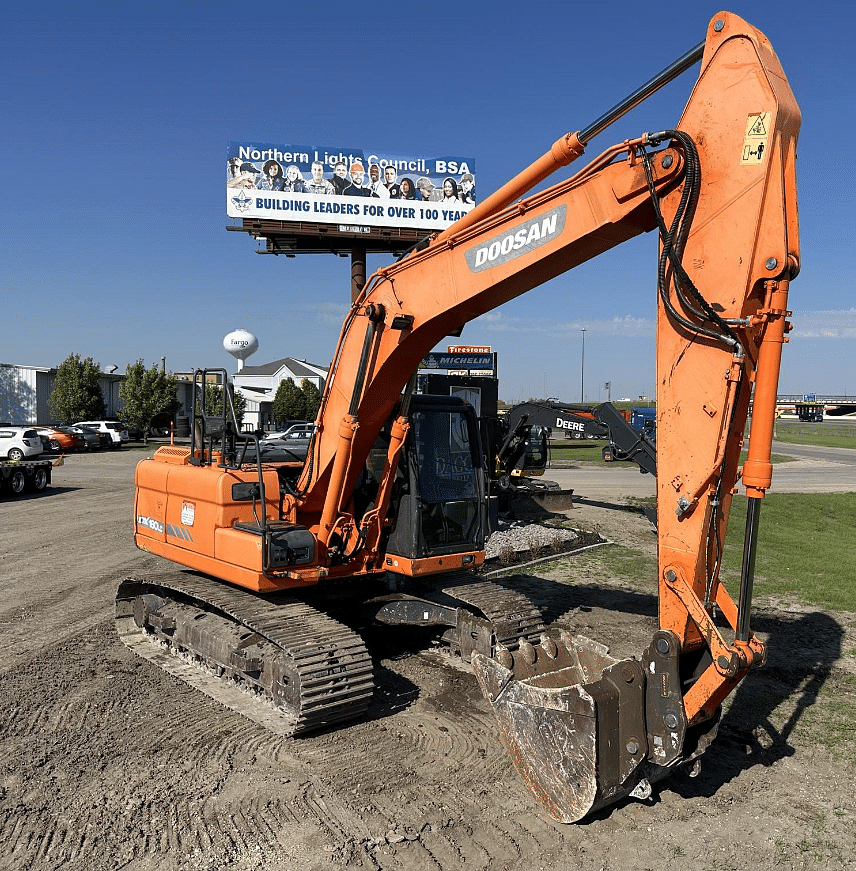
(95,440)
(299,431)
(283,426)
(277,451)
(117,432)
(19,442)
(61,440)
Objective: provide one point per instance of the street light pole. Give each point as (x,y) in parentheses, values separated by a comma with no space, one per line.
(583,368)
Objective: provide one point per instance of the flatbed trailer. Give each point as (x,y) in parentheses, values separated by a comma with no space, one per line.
(17,476)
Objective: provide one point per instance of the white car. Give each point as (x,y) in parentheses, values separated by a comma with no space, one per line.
(299,431)
(117,432)
(19,442)
(295,431)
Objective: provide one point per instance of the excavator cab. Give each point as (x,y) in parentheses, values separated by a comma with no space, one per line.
(442,501)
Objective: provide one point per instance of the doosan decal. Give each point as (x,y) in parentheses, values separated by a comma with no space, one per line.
(520,240)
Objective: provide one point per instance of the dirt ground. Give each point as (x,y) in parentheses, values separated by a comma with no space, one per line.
(107,763)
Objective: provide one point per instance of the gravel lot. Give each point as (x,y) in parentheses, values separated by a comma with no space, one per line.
(108,763)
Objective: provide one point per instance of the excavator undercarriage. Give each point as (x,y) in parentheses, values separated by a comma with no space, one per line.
(284,663)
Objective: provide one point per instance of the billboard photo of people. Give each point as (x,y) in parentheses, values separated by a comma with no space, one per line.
(356,187)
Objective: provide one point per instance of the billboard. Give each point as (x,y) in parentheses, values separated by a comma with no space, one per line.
(352,186)
(466,361)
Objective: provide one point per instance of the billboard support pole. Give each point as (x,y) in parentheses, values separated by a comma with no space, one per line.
(358,270)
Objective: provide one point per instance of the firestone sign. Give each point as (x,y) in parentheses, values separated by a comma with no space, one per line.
(357,187)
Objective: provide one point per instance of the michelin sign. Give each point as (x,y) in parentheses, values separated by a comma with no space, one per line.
(358,187)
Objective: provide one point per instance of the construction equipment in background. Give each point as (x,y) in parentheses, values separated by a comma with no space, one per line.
(390,504)
(810,412)
(19,476)
(632,438)
(523,449)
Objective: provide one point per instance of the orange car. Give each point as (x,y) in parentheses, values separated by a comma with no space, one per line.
(60,440)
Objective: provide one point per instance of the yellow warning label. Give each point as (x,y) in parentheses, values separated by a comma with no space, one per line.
(756,138)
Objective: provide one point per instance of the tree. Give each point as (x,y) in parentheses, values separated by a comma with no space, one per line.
(146,392)
(313,399)
(76,393)
(214,402)
(289,403)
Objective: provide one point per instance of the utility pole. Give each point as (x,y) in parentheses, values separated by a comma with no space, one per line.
(583,368)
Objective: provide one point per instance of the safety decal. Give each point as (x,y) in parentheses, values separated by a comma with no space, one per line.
(756,138)
(188,513)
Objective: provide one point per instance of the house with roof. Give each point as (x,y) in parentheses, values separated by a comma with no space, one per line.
(258,385)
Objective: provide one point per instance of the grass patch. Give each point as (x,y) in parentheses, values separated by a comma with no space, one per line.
(831,724)
(567,452)
(835,435)
(574,453)
(806,548)
(625,562)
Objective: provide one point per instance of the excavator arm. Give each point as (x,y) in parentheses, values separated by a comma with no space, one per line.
(721,192)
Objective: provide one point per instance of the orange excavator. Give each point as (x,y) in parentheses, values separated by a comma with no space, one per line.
(390,503)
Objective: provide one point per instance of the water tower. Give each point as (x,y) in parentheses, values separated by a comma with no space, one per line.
(241,344)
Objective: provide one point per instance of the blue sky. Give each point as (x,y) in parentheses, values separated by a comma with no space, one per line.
(116,119)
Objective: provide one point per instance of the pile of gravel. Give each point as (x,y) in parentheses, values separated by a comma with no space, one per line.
(520,537)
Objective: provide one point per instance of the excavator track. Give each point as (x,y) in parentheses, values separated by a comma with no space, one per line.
(512,615)
(484,617)
(277,661)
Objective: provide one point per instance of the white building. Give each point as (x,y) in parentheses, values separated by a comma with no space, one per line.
(258,385)
(25,390)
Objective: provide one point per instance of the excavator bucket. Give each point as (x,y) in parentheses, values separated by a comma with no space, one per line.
(574,719)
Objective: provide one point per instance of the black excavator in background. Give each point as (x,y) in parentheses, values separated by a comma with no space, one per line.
(526,427)
(515,442)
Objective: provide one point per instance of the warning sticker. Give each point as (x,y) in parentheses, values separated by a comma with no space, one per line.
(756,138)
(188,513)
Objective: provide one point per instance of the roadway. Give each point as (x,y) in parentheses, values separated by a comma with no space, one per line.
(814,470)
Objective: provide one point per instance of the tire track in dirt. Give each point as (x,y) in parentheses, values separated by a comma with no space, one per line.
(111,763)
(443,744)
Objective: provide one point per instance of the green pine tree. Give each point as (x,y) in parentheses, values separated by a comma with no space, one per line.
(312,397)
(214,402)
(289,403)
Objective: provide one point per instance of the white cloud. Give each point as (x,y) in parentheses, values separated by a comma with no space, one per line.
(833,324)
(626,325)
(328,312)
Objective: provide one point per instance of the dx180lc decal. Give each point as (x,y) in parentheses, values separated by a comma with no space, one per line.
(517,241)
